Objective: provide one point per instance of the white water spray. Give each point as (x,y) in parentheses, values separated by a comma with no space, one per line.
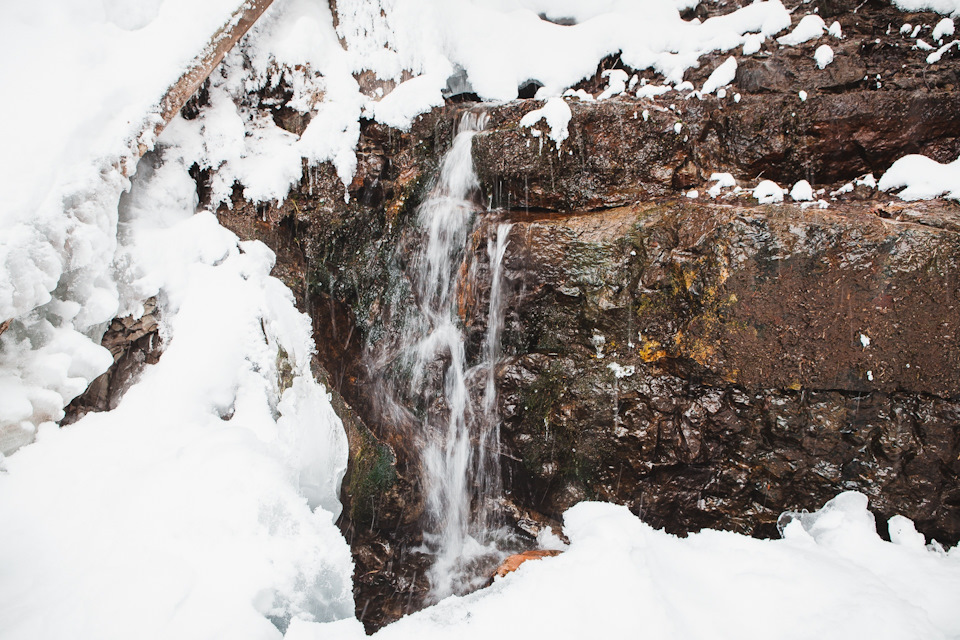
(459,443)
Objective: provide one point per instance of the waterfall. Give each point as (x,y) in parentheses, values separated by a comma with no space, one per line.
(458,441)
(488,468)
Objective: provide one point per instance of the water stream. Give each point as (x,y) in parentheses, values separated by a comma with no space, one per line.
(458,430)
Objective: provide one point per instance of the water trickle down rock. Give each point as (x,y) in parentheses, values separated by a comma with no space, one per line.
(427,369)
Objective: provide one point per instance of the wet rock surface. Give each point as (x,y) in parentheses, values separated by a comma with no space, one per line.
(714,365)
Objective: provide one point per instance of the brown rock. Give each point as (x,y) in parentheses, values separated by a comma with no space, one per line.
(513,563)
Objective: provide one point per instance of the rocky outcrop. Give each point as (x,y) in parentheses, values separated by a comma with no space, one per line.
(708,362)
(714,365)
(133,343)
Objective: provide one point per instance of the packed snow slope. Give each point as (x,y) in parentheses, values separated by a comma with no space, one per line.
(830,577)
(203,506)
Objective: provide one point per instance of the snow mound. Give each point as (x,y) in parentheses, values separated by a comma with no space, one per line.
(823,56)
(620,578)
(556,114)
(802,191)
(922,178)
(945,7)
(768,192)
(944,28)
(721,76)
(809,28)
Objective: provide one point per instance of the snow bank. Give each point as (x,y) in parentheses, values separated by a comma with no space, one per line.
(946,7)
(922,178)
(830,577)
(91,75)
(204,505)
(502,44)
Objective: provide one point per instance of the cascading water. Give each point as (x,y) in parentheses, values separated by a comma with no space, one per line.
(458,441)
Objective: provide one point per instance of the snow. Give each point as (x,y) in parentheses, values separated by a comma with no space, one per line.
(823,55)
(768,192)
(945,7)
(944,28)
(809,28)
(922,178)
(866,180)
(556,114)
(936,55)
(721,76)
(835,30)
(802,191)
(723,181)
(616,83)
(830,577)
(74,132)
(752,43)
(202,506)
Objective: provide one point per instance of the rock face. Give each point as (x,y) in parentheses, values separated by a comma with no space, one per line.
(714,365)
(708,362)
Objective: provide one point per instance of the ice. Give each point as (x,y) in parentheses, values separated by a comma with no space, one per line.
(802,191)
(809,28)
(768,192)
(922,178)
(721,76)
(823,55)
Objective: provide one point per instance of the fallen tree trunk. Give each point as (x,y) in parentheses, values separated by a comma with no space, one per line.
(203,65)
